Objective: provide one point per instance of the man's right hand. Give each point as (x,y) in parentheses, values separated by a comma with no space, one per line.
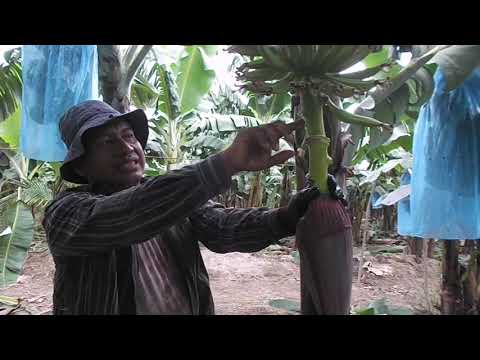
(252,148)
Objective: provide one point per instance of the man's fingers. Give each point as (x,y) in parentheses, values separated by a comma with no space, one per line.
(282,128)
(279,129)
(287,129)
(280,157)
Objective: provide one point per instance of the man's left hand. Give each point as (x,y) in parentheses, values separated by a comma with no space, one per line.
(298,204)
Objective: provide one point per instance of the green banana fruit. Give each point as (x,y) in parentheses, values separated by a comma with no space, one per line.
(307,54)
(246,50)
(358,53)
(344,91)
(423,78)
(294,55)
(346,117)
(274,57)
(340,55)
(317,64)
(362,74)
(267,74)
(283,85)
(321,53)
(360,85)
(255,64)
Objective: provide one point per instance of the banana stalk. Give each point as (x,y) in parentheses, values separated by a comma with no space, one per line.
(319,160)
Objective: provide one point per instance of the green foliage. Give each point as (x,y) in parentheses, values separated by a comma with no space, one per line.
(380,307)
(14,245)
(293,307)
(37,192)
(10,129)
(10,85)
(378,58)
(193,76)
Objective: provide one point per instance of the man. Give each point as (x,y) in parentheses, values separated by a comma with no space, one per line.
(125,244)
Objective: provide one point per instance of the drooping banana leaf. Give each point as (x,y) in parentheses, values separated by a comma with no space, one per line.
(14,245)
(457,63)
(194,77)
(10,88)
(222,123)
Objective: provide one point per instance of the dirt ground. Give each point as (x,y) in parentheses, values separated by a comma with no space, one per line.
(244,284)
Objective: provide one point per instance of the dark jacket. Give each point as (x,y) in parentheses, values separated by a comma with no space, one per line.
(93,235)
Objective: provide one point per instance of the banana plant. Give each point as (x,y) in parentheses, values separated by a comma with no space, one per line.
(397,103)
(117,70)
(402,106)
(25,187)
(315,75)
(210,125)
(171,93)
(10,84)
(176,95)
(409,87)
(17,227)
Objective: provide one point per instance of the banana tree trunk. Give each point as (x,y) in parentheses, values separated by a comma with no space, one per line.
(285,189)
(324,235)
(460,294)
(256,191)
(451,298)
(116,73)
(471,279)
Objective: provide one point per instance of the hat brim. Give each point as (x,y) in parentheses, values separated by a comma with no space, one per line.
(137,120)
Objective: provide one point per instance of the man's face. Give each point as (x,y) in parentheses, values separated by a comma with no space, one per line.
(113,156)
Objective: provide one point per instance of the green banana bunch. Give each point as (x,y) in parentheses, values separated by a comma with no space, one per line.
(273,67)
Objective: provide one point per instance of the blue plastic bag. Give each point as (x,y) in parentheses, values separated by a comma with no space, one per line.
(376,199)
(404,220)
(445,197)
(55,77)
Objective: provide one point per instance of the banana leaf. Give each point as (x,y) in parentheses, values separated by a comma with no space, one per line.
(10,88)
(194,77)
(14,245)
(457,63)
(10,129)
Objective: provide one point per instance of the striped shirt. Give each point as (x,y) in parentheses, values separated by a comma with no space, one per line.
(136,251)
